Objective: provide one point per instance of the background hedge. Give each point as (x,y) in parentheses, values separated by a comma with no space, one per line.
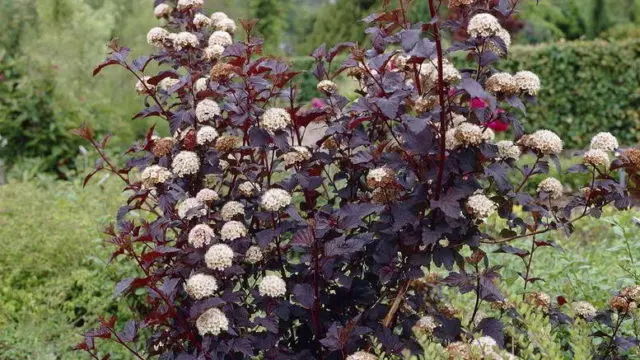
(588,86)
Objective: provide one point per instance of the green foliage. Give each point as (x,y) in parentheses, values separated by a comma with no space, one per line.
(55,280)
(587,87)
(271,21)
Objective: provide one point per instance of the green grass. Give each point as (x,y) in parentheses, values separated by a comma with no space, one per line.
(55,279)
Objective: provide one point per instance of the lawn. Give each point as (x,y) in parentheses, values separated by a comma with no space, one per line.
(56,280)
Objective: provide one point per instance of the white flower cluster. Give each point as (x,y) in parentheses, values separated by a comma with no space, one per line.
(190,4)
(380,177)
(232,230)
(275,199)
(207,110)
(187,205)
(480,206)
(249,188)
(231,209)
(584,309)
(362,355)
(213,52)
(429,72)
(502,83)
(327,87)
(275,119)
(207,195)
(221,38)
(544,141)
(458,3)
(200,286)
(155,174)
(201,85)
(201,21)
(162,10)
(222,22)
(212,321)
(157,36)
(552,186)
(604,141)
(483,25)
(201,235)
(539,299)
(468,134)
(185,39)
(185,163)
(486,344)
(508,150)
(426,103)
(298,154)
(528,82)
(219,257)
(427,324)
(272,286)
(632,292)
(596,157)
(167,83)
(506,39)
(143,86)
(206,135)
(253,255)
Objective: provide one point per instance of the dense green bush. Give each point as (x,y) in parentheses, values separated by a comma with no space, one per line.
(587,87)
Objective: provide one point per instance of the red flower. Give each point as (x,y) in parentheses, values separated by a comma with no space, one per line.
(498,126)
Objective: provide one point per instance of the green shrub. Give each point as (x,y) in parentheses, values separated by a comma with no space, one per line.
(587,87)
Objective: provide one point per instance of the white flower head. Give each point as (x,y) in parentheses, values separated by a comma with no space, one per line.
(552,186)
(167,83)
(545,141)
(486,344)
(429,72)
(201,235)
(508,150)
(469,134)
(162,10)
(190,4)
(202,21)
(483,25)
(155,174)
(249,188)
(201,85)
(502,83)
(207,195)
(528,82)
(231,209)
(380,177)
(213,52)
(506,39)
(218,16)
(604,141)
(157,36)
(219,257)
(596,157)
(272,286)
(275,199)
(253,255)
(226,25)
(185,163)
(427,324)
(185,39)
(185,207)
(457,119)
(275,119)
(327,87)
(451,142)
(584,309)
(212,321)
(200,286)
(143,86)
(232,230)
(221,38)
(362,355)
(206,135)
(207,110)
(480,206)
(296,155)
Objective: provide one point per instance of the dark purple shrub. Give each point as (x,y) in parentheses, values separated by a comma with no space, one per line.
(282,231)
